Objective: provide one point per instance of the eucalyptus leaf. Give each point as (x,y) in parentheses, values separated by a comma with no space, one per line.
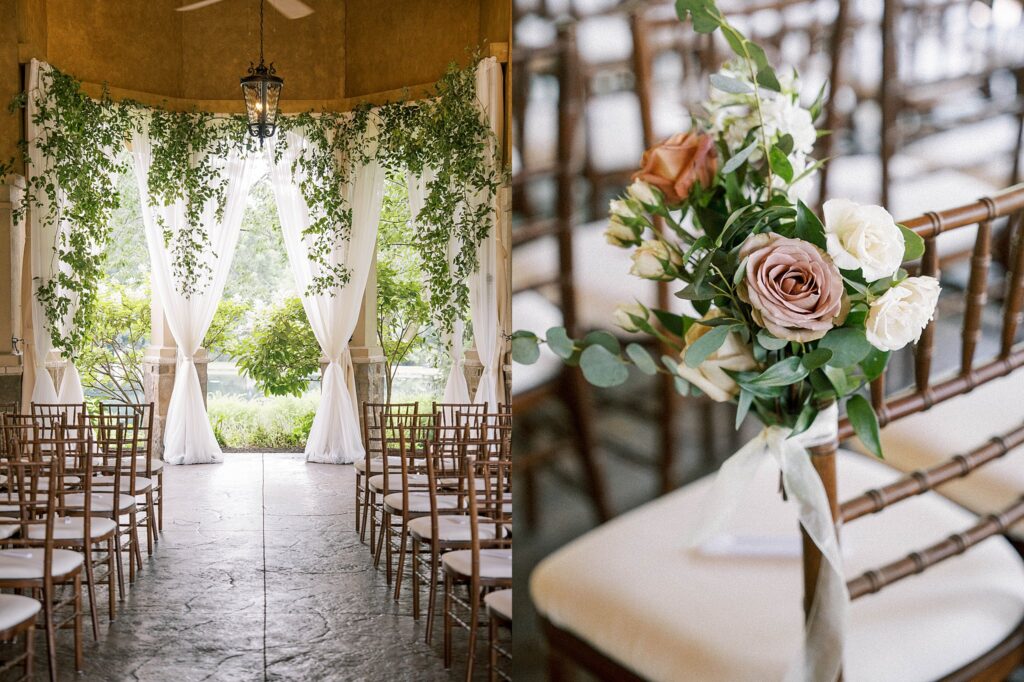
(848,345)
(525,349)
(603,339)
(816,358)
(707,344)
(746,398)
(642,359)
(560,343)
(874,363)
(730,85)
(737,159)
(769,342)
(601,368)
(783,373)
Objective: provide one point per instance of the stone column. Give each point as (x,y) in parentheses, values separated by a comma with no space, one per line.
(12,253)
(367,355)
(158,367)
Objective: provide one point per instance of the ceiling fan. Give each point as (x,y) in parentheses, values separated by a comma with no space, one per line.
(291,9)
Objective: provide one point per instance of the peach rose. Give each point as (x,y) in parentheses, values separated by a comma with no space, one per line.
(795,289)
(677,163)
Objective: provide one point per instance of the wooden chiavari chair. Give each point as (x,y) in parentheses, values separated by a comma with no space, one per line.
(552,68)
(18,619)
(499,615)
(72,412)
(932,614)
(134,482)
(445,529)
(10,408)
(375,465)
(30,561)
(487,564)
(147,465)
(114,461)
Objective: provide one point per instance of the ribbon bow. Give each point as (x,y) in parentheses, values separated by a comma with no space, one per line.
(826,624)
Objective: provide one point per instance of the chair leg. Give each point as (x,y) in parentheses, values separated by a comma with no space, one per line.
(366,516)
(136,551)
(90,577)
(447,621)
(389,531)
(30,635)
(582,422)
(415,579)
(119,560)
(359,478)
(372,497)
(492,649)
(150,523)
(474,622)
(51,637)
(111,577)
(160,502)
(432,595)
(404,540)
(78,622)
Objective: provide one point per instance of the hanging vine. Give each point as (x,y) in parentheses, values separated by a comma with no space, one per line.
(336,144)
(80,138)
(73,191)
(188,152)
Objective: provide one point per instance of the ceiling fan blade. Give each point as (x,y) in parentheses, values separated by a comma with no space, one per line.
(292,9)
(197,5)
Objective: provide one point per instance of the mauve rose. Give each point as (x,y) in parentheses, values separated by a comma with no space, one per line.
(795,289)
(677,163)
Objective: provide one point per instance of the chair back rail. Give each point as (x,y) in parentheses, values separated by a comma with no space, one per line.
(415,437)
(1005,205)
(144,432)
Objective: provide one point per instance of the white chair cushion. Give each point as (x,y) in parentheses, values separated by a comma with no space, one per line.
(27,564)
(450,528)
(376,483)
(9,530)
(500,602)
(142,484)
(73,528)
(928,438)
(16,609)
(633,591)
(419,503)
(377,464)
(101,502)
(155,464)
(494,563)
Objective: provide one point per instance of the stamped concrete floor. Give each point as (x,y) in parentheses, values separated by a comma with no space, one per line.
(259,575)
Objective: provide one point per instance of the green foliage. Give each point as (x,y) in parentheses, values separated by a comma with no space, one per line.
(77,138)
(281,354)
(260,272)
(403,315)
(277,422)
(110,364)
(865,423)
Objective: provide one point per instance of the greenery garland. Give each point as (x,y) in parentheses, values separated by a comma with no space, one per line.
(447,133)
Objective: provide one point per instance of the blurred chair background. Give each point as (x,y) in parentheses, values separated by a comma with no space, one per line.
(926,113)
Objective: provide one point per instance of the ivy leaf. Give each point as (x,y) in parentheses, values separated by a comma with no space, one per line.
(848,345)
(865,423)
(642,359)
(560,343)
(601,368)
(525,348)
(707,344)
(913,244)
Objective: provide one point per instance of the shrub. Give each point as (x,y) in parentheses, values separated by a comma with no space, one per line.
(280,422)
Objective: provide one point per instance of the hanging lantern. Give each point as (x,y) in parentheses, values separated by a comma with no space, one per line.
(261,90)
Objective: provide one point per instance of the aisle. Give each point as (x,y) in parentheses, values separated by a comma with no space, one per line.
(259,575)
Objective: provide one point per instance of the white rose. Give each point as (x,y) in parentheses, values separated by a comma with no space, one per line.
(618,207)
(620,234)
(649,260)
(622,317)
(898,316)
(710,376)
(862,237)
(643,193)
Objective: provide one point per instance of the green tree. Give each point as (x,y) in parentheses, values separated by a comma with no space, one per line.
(281,354)
(111,363)
(403,313)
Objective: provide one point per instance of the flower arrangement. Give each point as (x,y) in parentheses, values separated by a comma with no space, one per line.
(789,312)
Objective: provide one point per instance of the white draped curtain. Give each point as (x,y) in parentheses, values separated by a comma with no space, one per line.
(45,231)
(335,435)
(483,284)
(188,436)
(455,388)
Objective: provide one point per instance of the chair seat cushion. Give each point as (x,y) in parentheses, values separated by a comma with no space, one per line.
(928,438)
(16,609)
(376,483)
(450,528)
(419,503)
(101,502)
(27,564)
(495,564)
(632,590)
(155,464)
(142,484)
(500,602)
(73,528)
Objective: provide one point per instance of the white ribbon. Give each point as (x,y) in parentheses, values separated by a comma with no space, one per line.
(823,639)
